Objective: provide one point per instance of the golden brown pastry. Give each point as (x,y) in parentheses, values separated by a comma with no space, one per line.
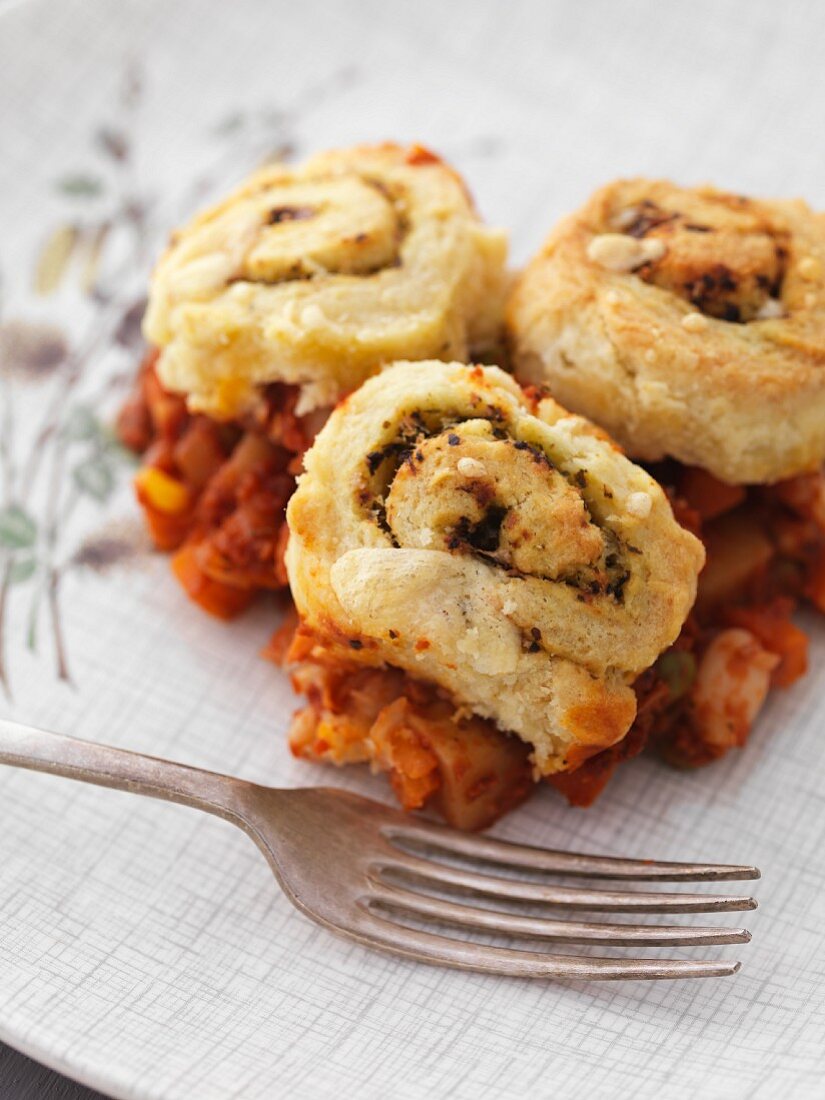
(314,275)
(494,546)
(686,321)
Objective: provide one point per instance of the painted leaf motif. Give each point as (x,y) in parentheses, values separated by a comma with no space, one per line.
(22,570)
(81,424)
(30,350)
(94,477)
(128,333)
(54,258)
(18,531)
(230,124)
(132,86)
(80,186)
(117,453)
(102,552)
(114,142)
(95,240)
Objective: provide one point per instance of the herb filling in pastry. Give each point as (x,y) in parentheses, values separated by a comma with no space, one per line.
(467,562)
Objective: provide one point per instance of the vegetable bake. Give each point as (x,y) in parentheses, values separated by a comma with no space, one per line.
(488,590)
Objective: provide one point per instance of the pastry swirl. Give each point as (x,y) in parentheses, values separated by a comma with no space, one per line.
(501,549)
(687,322)
(315,275)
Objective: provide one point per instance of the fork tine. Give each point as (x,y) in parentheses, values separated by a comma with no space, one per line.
(526,857)
(453,878)
(490,920)
(397,939)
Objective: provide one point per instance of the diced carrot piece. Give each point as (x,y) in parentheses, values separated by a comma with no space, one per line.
(413,765)
(583,786)
(420,154)
(709,496)
(773,627)
(167,531)
(134,424)
(221,600)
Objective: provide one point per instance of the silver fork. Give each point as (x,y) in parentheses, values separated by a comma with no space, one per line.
(361,870)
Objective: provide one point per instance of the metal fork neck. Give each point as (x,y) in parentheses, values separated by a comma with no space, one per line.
(38,750)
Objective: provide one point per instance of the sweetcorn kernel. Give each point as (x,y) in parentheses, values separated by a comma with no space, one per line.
(162,491)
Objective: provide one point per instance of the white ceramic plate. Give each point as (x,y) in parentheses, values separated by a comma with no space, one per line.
(144,948)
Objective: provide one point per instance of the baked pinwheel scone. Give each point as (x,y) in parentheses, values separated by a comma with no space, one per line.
(269,307)
(493,557)
(688,322)
(315,275)
(691,324)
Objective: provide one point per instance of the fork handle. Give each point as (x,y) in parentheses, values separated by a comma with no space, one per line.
(38,750)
